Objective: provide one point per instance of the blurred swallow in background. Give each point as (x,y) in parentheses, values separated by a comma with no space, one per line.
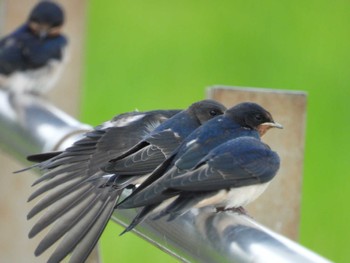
(32,55)
(221,164)
(86,180)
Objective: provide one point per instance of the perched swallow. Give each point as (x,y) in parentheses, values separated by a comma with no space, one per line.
(223,164)
(82,195)
(145,156)
(31,56)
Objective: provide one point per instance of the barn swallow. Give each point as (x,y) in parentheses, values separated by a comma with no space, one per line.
(31,56)
(87,195)
(145,156)
(222,155)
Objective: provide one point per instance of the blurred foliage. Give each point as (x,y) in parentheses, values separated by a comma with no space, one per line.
(162,54)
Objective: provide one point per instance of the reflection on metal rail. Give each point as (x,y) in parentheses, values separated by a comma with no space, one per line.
(31,125)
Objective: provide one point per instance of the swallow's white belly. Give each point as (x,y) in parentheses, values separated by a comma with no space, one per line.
(235,197)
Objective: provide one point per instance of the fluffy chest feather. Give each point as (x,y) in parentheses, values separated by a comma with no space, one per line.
(234,197)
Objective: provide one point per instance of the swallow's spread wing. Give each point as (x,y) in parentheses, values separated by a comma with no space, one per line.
(76,164)
(42,157)
(104,143)
(81,162)
(77,194)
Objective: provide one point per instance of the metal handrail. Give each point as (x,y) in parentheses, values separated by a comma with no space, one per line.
(30,124)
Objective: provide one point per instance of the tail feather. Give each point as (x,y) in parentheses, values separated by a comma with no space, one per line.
(77,232)
(139,218)
(27,168)
(57,211)
(86,245)
(57,181)
(68,221)
(80,218)
(55,196)
(181,205)
(42,157)
(57,171)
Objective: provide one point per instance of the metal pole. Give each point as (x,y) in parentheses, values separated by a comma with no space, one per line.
(30,125)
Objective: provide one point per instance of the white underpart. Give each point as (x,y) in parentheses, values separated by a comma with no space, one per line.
(235,197)
(39,80)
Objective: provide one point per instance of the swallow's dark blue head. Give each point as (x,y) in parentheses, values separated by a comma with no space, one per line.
(253,116)
(46,19)
(205,110)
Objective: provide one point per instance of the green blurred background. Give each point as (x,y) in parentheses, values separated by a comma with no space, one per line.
(162,54)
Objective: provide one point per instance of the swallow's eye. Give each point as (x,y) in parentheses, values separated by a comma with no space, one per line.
(258,117)
(213,113)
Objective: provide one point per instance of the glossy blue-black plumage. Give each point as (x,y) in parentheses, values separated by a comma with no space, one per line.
(215,132)
(241,121)
(223,128)
(238,162)
(192,150)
